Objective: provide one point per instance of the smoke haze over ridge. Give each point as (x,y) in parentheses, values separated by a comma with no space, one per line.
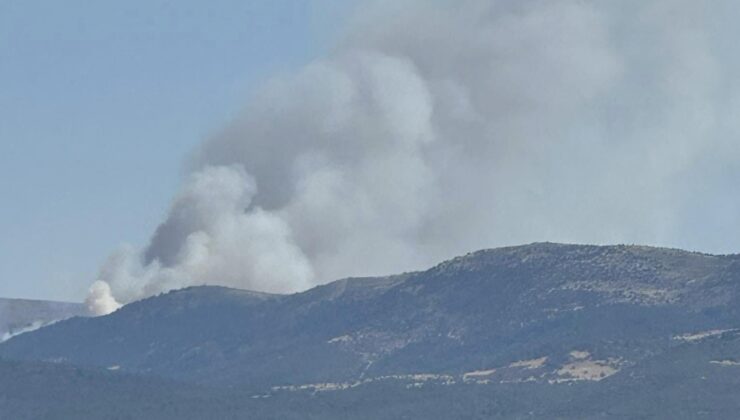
(436,128)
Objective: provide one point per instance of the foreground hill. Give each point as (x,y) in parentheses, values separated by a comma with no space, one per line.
(18,315)
(693,380)
(510,331)
(31,390)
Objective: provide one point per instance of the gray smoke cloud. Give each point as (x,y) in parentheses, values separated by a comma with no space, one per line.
(435,128)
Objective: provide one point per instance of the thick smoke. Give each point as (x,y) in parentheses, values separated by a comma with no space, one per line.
(436,128)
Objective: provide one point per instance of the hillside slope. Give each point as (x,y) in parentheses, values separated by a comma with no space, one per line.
(696,379)
(18,315)
(492,308)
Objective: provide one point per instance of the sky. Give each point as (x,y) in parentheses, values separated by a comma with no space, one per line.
(100,103)
(279,145)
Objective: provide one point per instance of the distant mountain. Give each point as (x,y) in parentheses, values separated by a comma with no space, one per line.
(19,315)
(559,330)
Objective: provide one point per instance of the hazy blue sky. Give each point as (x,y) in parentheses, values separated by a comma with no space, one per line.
(101,101)
(415,131)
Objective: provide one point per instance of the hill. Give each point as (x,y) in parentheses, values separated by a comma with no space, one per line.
(509,331)
(19,315)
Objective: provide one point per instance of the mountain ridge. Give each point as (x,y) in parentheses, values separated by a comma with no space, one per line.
(534,325)
(386,320)
(21,315)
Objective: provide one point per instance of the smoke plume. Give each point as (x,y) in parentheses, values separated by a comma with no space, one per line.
(435,128)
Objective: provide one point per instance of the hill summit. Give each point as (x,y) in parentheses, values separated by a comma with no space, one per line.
(538,317)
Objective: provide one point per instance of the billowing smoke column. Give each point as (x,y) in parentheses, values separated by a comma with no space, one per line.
(212,235)
(436,128)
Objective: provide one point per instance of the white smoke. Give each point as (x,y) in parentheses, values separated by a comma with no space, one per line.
(35,325)
(212,235)
(100,300)
(436,128)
